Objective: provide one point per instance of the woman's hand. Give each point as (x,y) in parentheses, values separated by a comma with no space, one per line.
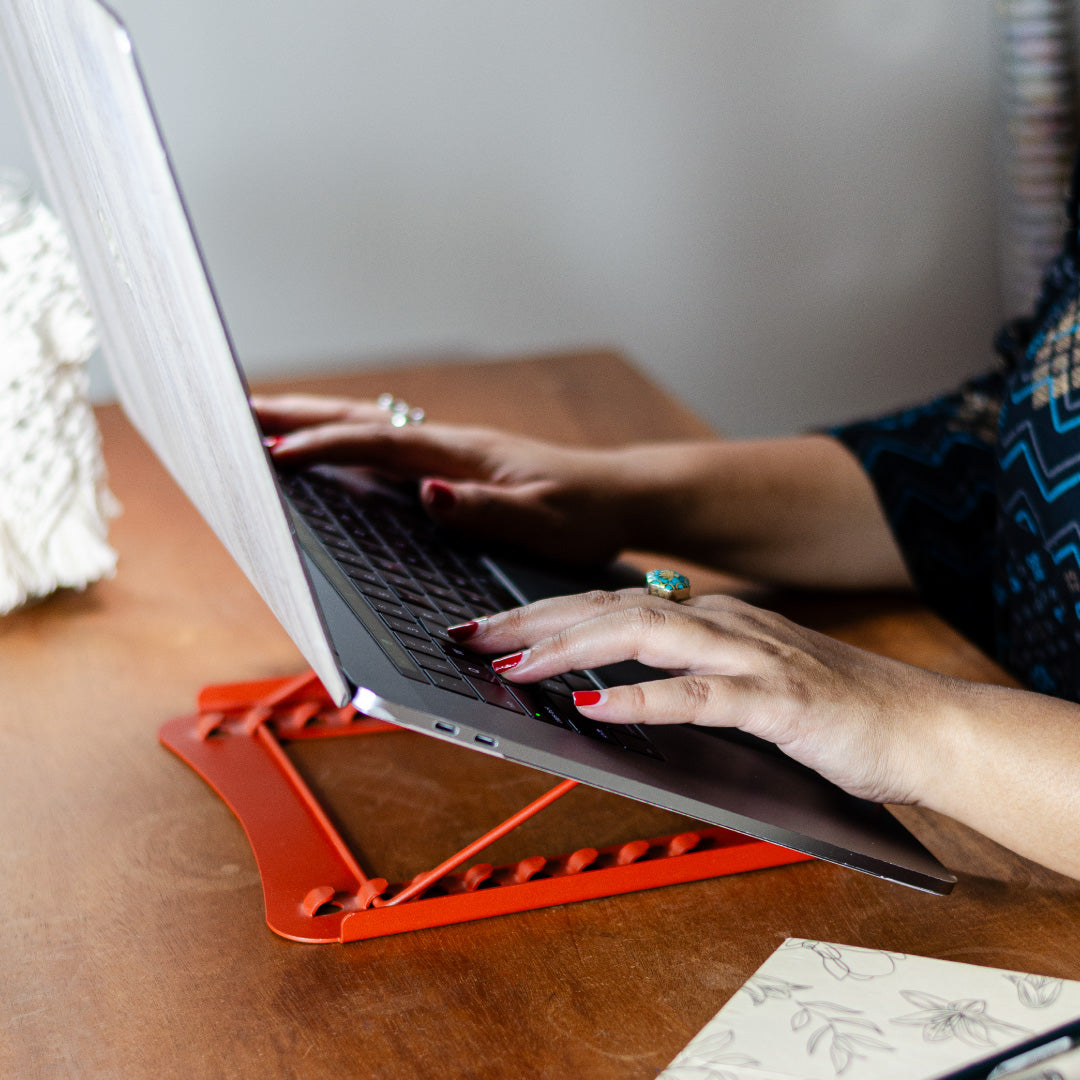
(861,720)
(1003,761)
(798,511)
(573,505)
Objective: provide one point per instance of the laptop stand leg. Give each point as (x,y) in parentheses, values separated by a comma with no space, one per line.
(419,884)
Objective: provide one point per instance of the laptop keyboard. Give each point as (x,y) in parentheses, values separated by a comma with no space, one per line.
(416,581)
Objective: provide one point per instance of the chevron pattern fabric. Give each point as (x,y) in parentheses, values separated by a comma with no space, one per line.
(933,468)
(982,490)
(1037,558)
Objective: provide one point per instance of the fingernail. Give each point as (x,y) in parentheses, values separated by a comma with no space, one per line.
(270,441)
(585,698)
(439,496)
(464,631)
(505,663)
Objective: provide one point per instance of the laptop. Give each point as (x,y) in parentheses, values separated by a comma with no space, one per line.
(366,597)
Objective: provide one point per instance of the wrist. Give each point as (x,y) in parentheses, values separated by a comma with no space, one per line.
(938,739)
(660,493)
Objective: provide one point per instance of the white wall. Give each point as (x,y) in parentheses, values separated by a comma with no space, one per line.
(782,209)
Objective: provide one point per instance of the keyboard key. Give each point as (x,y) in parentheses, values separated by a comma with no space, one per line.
(356,530)
(338,546)
(457,652)
(428,575)
(433,663)
(436,627)
(452,682)
(383,565)
(442,592)
(371,547)
(378,592)
(457,612)
(498,694)
(392,609)
(417,603)
(417,644)
(474,598)
(404,626)
(475,669)
(548,711)
(309,507)
(396,578)
(596,730)
(555,686)
(353,560)
(363,577)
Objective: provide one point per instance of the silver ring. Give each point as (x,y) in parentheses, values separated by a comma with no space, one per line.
(401,412)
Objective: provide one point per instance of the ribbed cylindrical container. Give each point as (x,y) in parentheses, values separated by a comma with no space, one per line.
(1037,50)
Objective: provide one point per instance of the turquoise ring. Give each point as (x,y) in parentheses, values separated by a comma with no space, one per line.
(669,584)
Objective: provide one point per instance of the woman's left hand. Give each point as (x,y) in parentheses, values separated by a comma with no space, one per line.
(863,721)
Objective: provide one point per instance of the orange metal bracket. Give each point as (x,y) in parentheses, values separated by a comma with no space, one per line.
(315,890)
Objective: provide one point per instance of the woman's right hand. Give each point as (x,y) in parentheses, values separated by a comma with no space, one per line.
(574,505)
(1000,760)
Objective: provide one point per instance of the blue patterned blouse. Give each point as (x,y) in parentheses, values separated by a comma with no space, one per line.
(982,490)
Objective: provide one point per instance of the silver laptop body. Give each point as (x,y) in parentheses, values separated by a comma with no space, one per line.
(169,353)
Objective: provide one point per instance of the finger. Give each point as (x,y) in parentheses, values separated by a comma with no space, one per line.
(664,637)
(516,515)
(412,450)
(844,747)
(709,700)
(524,626)
(279,413)
(521,627)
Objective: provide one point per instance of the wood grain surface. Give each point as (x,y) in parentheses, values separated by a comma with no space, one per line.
(131,925)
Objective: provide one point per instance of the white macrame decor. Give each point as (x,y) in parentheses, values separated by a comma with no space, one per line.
(54,501)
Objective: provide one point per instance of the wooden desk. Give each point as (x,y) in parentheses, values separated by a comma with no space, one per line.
(131,925)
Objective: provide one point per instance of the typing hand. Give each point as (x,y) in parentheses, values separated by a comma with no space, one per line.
(572,505)
(865,722)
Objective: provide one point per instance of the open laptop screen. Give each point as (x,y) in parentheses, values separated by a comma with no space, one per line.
(168,351)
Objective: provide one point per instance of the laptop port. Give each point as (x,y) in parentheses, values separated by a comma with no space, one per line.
(485,740)
(442,725)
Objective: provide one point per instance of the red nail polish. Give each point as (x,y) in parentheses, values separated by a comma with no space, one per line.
(439,496)
(463,631)
(587,697)
(505,663)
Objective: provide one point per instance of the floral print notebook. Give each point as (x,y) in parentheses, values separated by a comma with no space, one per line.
(817,1011)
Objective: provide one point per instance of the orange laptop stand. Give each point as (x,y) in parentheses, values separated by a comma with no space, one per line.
(316,891)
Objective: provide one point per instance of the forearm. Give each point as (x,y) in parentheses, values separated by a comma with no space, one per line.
(796,511)
(1007,763)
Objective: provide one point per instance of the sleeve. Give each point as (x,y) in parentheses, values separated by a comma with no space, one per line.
(934,470)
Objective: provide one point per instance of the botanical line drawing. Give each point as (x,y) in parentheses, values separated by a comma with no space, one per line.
(762,987)
(844,1031)
(1036,991)
(706,1055)
(966,1020)
(849,961)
